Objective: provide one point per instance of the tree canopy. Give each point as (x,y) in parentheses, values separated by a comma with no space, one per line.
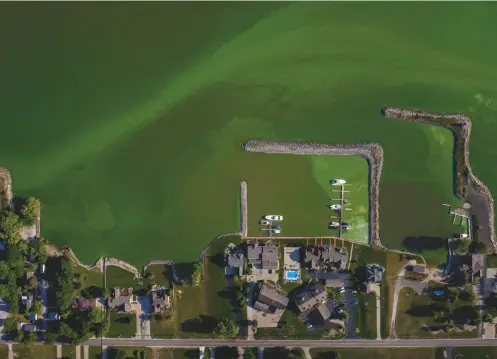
(227,328)
(198,272)
(64,286)
(30,209)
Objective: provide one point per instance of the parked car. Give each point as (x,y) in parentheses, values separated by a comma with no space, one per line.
(273,217)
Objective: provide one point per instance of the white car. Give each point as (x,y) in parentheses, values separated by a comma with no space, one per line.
(273,217)
(335,206)
(337,182)
(265,223)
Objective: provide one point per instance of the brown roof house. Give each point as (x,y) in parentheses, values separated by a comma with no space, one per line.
(271,300)
(84,304)
(326,256)
(160,299)
(122,299)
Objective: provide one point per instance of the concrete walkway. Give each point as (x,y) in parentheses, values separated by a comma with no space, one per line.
(378,317)
(212,353)
(11,352)
(59,351)
(105,352)
(307,352)
(78,351)
(85,352)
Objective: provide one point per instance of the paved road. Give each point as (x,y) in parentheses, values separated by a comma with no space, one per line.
(344,343)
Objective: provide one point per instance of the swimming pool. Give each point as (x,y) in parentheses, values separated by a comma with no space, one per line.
(291,275)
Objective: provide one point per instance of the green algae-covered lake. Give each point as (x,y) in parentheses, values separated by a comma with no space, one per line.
(126,119)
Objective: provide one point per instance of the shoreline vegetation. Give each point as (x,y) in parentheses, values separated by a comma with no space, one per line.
(460,126)
(464,179)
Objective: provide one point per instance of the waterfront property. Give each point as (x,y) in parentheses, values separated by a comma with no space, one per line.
(263,256)
(160,299)
(234,259)
(122,300)
(326,257)
(291,264)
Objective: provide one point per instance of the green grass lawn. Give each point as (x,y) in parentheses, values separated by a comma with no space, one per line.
(415,311)
(366,315)
(35,351)
(379,353)
(4,351)
(93,352)
(475,352)
(117,277)
(69,351)
(129,352)
(122,325)
(492,261)
(199,309)
(161,275)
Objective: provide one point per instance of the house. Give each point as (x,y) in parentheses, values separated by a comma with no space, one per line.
(122,299)
(320,315)
(83,304)
(160,299)
(374,273)
(326,256)
(263,256)
(27,301)
(310,297)
(234,263)
(271,299)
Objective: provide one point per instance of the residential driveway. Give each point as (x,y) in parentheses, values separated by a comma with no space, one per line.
(238,313)
(44,298)
(143,309)
(4,312)
(250,310)
(348,298)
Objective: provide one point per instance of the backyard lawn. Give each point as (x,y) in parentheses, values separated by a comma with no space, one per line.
(379,353)
(34,351)
(161,275)
(414,312)
(93,352)
(69,351)
(366,315)
(4,350)
(199,308)
(117,277)
(122,325)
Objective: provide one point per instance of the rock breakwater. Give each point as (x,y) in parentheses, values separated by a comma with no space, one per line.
(461,126)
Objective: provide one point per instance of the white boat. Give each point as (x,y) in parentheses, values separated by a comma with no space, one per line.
(337,182)
(264,223)
(273,217)
(335,206)
(276,231)
(334,224)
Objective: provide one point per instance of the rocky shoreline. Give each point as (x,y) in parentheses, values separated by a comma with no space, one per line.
(7,187)
(370,151)
(461,126)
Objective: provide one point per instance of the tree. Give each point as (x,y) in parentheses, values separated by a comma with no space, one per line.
(241,299)
(227,328)
(452,293)
(30,209)
(51,338)
(4,269)
(296,353)
(36,307)
(64,286)
(335,355)
(249,354)
(10,226)
(38,251)
(198,272)
(460,245)
(255,324)
(477,247)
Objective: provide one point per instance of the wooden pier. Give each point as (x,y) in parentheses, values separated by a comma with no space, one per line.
(315,239)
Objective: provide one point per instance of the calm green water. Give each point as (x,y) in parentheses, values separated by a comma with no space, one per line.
(126,119)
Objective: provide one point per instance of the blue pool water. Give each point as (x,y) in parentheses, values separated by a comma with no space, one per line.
(292,274)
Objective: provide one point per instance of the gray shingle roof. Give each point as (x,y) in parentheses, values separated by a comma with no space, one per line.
(266,256)
(271,296)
